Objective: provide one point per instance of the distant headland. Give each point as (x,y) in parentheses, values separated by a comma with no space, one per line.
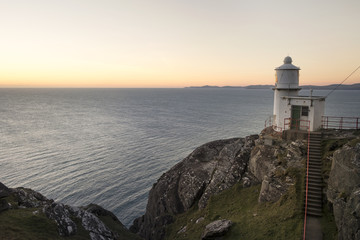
(355,86)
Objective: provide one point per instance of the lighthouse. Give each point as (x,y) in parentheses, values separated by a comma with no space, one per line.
(292,111)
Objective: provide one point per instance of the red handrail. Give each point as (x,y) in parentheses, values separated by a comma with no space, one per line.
(332,122)
(307,182)
(297,124)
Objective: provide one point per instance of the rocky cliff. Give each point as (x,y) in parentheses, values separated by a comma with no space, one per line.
(208,170)
(343,189)
(227,186)
(211,169)
(275,165)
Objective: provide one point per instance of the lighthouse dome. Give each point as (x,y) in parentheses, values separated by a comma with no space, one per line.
(287,65)
(287,60)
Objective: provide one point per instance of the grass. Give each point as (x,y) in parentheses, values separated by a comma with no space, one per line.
(252,220)
(118,228)
(328,224)
(23,224)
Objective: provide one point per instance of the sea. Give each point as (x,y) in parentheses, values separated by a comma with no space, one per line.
(109,146)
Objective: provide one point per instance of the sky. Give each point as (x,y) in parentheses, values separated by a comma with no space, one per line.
(169,43)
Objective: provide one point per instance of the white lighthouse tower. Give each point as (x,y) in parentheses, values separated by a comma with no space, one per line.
(286,84)
(292,111)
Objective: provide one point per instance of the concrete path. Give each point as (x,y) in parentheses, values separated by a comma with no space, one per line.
(313,229)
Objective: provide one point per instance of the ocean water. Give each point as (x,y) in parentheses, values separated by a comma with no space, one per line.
(108,146)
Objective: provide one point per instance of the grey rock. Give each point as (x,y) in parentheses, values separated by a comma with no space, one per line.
(4,191)
(344,191)
(268,164)
(271,190)
(246,182)
(61,215)
(4,205)
(182,230)
(216,229)
(199,220)
(208,170)
(29,198)
(345,174)
(262,161)
(96,228)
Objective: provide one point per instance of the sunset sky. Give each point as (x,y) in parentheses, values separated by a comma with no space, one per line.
(168,43)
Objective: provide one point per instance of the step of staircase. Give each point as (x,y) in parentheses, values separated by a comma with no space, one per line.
(314,176)
(315,155)
(316,169)
(315,151)
(314,173)
(314,211)
(314,189)
(315,164)
(315,184)
(314,200)
(315,204)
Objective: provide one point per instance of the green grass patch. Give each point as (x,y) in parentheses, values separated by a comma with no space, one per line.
(116,227)
(252,220)
(353,142)
(328,224)
(24,224)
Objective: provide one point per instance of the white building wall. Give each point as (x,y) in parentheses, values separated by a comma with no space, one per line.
(319,109)
(284,112)
(281,107)
(316,111)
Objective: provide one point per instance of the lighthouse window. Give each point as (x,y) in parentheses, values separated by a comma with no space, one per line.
(304,111)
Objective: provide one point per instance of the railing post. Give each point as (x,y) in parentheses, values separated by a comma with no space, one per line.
(327,122)
(341,123)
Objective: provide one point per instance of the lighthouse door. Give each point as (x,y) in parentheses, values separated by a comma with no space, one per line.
(295,117)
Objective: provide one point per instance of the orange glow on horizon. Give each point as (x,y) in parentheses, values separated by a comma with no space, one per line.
(139,44)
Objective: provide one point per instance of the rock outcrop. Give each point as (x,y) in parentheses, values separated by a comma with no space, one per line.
(216,229)
(344,191)
(269,164)
(68,219)
(208,170)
